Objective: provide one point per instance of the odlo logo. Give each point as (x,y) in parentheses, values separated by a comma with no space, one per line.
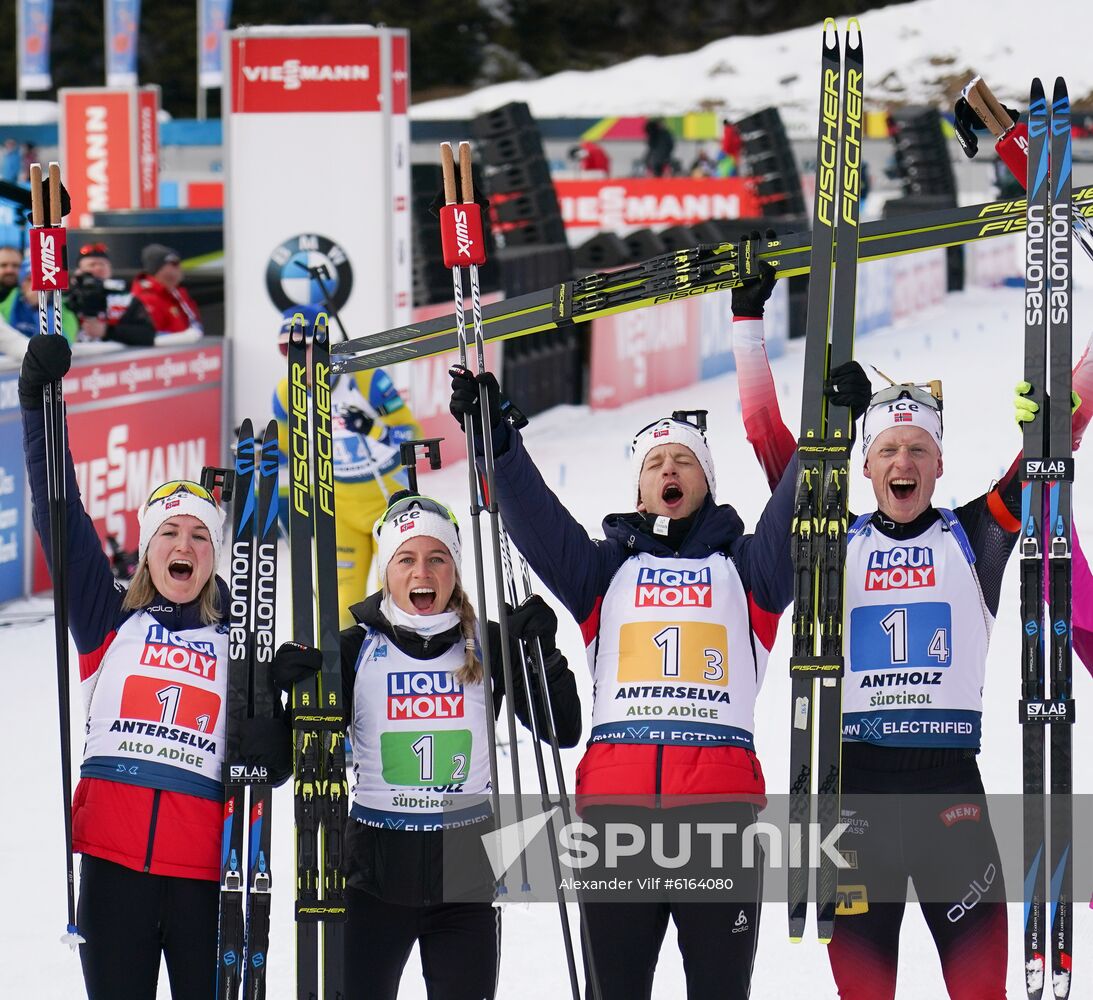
(674,588)
(741,923)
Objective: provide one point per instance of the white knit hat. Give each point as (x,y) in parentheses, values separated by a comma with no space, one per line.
(671,431)
(181,500)
(904,412)
(416,517)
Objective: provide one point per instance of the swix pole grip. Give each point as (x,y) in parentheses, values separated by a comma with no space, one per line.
(461,235)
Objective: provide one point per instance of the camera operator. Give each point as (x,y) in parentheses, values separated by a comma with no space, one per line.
(105,307)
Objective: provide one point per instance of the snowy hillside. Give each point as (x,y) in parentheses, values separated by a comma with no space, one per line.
(972,342)
(919,53)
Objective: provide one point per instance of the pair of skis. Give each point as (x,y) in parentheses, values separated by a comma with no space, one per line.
(241,953)
(820,517)
(1047,472)
(321,790)
(682,274)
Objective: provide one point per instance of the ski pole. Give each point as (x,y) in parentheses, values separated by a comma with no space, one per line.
(471,217)
(447,163)
(49,278)
(532,652)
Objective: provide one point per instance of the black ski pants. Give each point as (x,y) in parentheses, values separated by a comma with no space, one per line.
(129,919)
(717,930)
(460,944)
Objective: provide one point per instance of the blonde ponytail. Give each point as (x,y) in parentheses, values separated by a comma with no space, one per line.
(471,671)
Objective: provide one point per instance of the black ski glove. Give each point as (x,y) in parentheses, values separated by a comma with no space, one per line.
(294,662)
(749,298)
(848,385)
(267,743)
(357,420)
(465,391)
(535,619)
(47,359)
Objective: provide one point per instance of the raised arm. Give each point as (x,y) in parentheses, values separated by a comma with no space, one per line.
(94,597)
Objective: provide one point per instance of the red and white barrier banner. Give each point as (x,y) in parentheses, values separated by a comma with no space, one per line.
(919,280)
(624,204)
(134,424)
(148,147)
(643,352)
(109,149)
(317,183)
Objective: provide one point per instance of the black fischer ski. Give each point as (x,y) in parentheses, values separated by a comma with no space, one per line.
(321,785)
(682,274)
(263,698)
(1047,473)
(305,694)
(820,518)
(334,794)
(240,652)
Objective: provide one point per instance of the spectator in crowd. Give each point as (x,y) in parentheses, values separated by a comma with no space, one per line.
(159,288)
(728,163)
(703,165)
(106,309)
(11,161)
(591,157)
(658,152)
(11,259)
(19,317)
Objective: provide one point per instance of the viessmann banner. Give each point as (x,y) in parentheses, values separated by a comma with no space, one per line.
(109,141)
(317,183)
(624,204)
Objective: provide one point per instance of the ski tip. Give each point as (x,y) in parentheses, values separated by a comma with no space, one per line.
(831,34)
(1036,90)
(1060,88)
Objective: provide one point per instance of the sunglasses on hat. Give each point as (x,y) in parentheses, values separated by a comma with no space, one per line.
(926,393)
(415,502)
(180,486)
(694,419)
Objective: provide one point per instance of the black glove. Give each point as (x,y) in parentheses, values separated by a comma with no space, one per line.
(294,662)
(848,385)
(357,420)
(535,619)
(749,298)
(465,391)
(47,359)
(267,743)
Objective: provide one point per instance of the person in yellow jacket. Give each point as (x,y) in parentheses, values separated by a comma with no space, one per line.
(370,421)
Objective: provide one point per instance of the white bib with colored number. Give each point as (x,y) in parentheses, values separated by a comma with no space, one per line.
(156,714)
(675,661)
(917,636)
(420,755)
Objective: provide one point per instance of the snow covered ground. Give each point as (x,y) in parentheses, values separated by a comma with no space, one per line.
(914,53)
(972,341)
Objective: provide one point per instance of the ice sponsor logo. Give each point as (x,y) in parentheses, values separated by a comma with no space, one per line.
(424,694)
(163,648)
(292,74)
(902,568)
(674,588)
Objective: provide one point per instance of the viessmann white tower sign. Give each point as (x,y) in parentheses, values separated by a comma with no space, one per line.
(317,189)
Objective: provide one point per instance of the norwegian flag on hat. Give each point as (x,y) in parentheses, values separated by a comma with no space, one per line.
(902,417)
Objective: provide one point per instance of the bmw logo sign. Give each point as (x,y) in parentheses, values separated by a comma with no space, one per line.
(309,270)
